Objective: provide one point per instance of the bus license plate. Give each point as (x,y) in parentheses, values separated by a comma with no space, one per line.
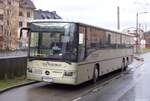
(47,79)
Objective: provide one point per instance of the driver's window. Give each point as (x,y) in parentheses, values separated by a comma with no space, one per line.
(46,40)
(81,54)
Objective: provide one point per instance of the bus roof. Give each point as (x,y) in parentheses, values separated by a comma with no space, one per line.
(65,21)
(51,20)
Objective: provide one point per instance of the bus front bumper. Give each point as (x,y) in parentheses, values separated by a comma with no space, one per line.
(59,80)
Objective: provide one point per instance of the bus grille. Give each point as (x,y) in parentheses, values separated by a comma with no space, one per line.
(37,71)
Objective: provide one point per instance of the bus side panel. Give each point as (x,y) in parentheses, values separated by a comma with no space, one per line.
(85,72)
(108,59)
(108,66)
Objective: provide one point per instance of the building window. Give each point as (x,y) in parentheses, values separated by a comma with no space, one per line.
(20,13)
(28,14)
(8,22)
(28,24)
(20,24)
(8,12)
(48,17)
(43,17)
(1,1)
(1,29)
(9,2)
(1,16)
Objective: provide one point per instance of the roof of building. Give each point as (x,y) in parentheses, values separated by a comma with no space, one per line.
(39,14)
(27,4)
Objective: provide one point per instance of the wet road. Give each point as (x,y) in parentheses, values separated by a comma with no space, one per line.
(141,91)
(129,86)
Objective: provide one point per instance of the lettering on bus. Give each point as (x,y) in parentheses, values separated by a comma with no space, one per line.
(47,64)
(95,55)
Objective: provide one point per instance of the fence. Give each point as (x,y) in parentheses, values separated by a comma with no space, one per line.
(12,67)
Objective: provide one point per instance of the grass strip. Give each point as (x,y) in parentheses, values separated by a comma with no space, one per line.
(143,50)
(10,83)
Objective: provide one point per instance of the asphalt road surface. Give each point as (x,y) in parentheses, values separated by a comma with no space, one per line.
(132,85)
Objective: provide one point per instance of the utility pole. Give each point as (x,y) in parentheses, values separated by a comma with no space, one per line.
(137,23)
(118,18)
(137,30)
(137,35)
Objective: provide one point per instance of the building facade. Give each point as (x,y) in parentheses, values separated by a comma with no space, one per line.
(15,14)
(26,13)
(147,39)
(9,20)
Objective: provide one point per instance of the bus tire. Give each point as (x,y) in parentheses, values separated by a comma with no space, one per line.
(124,65)
(95,74)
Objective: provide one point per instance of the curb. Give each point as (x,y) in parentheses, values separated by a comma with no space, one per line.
(16,86)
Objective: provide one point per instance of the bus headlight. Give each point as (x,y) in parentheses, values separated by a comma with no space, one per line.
(69,73)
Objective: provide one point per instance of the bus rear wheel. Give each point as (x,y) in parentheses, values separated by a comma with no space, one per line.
(95,74)
(124,65)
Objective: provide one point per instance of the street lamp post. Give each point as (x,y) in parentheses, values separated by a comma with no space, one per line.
(137,30)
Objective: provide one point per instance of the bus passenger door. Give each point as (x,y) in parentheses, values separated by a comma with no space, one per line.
(81,47)
(83,69)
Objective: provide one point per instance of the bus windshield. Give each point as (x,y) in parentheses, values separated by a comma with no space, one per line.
(53,41)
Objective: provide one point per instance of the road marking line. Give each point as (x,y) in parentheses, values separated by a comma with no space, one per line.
(94,90)
(77,99)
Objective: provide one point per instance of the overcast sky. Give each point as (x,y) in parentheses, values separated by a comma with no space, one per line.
(101,13)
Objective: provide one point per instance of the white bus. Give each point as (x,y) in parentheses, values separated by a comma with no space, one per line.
(72,52)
